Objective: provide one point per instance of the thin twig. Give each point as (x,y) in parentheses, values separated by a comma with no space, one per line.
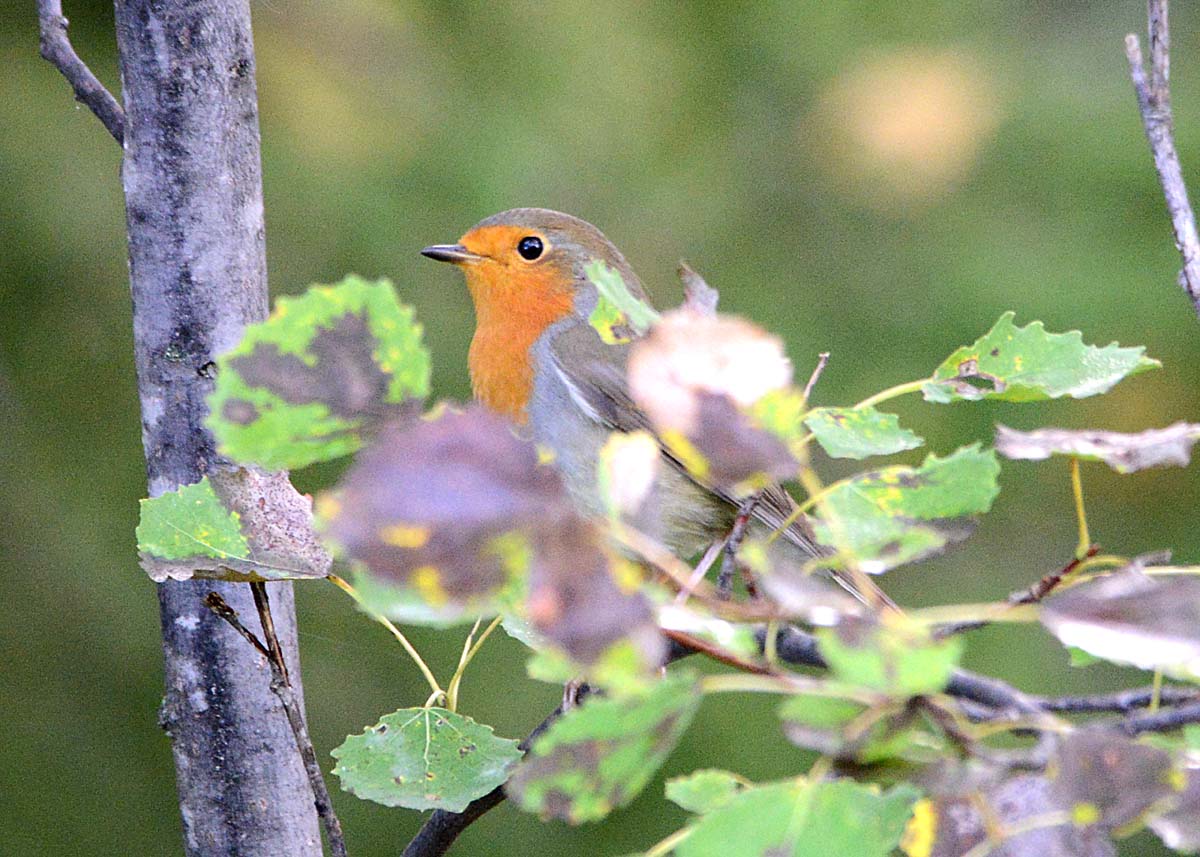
(282,688)
(716,653)
(1163,720)
(1031,595)
(1154,103)
(1123,701)
(732,544)
(822,359)
(56,48)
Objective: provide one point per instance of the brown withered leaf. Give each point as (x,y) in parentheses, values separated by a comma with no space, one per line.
(695,376)
(444,505)
(698,296)
(1105,778)
(456,508)
(584,599)
(1132,618)
(1123,452)
(964,805)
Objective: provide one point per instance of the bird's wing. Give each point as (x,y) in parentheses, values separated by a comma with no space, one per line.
(595,377)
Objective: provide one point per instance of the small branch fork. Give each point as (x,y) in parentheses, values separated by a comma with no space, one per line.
(56,48)
(281,686)
(1154,102)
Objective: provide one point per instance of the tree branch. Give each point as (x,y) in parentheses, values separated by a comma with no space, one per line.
(57,49)
(1154,102)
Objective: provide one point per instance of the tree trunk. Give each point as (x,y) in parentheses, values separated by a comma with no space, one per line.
(193,201)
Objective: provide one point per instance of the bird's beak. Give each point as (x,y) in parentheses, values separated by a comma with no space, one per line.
(456,253)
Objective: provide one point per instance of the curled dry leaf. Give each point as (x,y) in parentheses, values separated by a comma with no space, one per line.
(1123,452)
(239,524)
(698,296)
(1132,618)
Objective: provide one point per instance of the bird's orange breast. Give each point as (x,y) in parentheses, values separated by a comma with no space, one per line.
(514,304)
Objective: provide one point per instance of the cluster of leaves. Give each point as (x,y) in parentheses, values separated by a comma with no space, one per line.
(447,515)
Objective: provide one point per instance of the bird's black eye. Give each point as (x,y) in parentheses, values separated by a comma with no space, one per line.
(530,247)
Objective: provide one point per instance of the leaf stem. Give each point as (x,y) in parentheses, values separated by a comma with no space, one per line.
(893,393)
(469,651)
(667,845)
(1085,540)
(1156,690)
(813,499)
(387,623)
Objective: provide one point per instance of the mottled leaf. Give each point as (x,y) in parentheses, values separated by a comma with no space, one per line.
(313,381)
(899,514)
(235,525)
(600,755)
(425,758)
(619,315)
(1027,364)
(1123,452)
(1102,777)
(859,432)
(704,791)
(1132,618)
(899,659)
(832,818)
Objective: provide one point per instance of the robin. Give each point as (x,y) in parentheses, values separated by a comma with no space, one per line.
(536,359)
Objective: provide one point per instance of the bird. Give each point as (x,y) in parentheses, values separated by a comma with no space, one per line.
(537,360)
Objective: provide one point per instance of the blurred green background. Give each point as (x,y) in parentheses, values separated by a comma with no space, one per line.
(876,179)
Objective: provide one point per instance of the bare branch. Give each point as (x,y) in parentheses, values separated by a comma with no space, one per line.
(1154,102)
(56,48)
(822,359)
(281,686)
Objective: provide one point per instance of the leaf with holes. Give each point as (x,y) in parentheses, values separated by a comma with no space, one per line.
(704,791)
(425,758)
(859,432)
(833,818)
(240,525)
(600,755)
(899,659)
(313,381)
(1132,618)
(1027,364)
(1121,451)
(885,518)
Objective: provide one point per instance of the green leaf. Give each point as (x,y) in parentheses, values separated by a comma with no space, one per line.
(619,315)
(859,432)
(237,525)
(1027,364)
(902,660)
(899,514)
(838,818)
(1123,452)
(851,730)
(425,758)
(704,791)
(313,380)
(600,755)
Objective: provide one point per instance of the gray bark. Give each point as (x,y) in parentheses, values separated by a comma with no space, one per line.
(193,196)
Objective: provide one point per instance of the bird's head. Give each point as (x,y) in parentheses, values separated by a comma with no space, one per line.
(525,270)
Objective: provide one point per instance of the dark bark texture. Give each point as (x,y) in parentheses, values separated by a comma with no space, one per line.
(193,195)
